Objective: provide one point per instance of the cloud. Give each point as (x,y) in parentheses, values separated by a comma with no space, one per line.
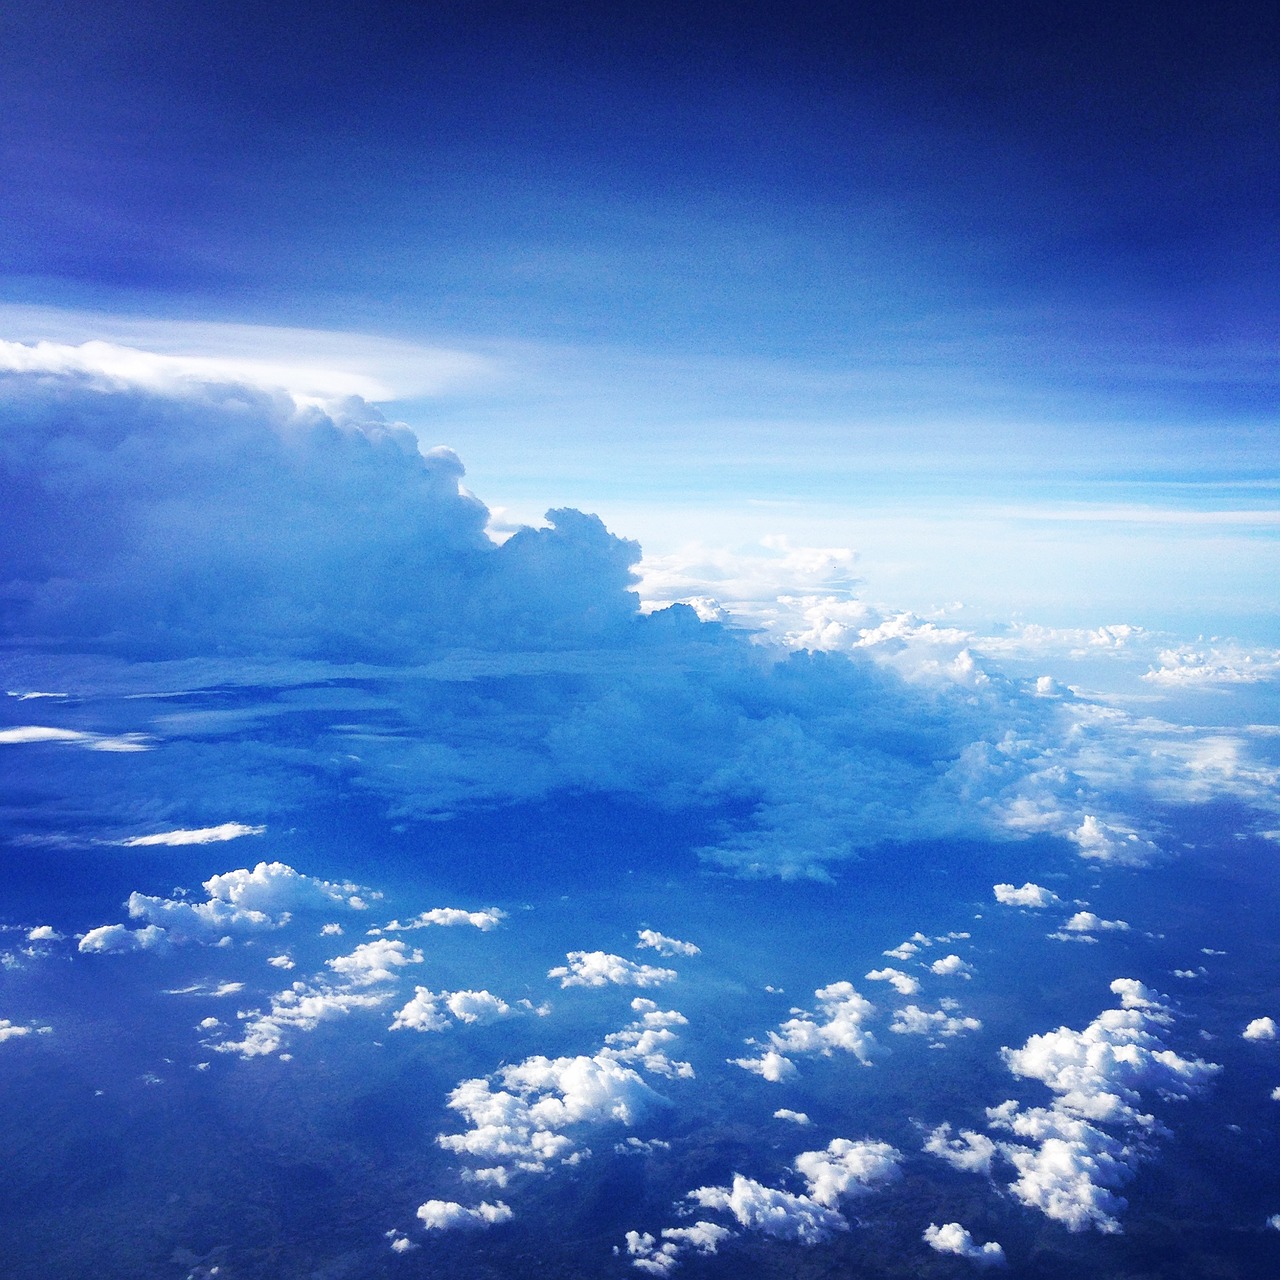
(43,933)
(915,1021)
(951,966)
(1072,1157)
(244,900)
(448,917)
(1030,895)
(846,1168)
(305,1005)
(774,1212)
(661,1258)
(903,983)
(116,937)
(436,1010)
(600,969)
(1260,1029)
(199,835)
(524,1117)
(1087,922)
(794,1117)
(664,945)
(837,1025)
(952,1238)
(448,1215)
(160,515)
(971,1152)
(15,1031)
(35,733)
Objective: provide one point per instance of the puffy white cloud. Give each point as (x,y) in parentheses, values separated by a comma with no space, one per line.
(15,1030)
(600,969)
(794,1117)
(847,1168)
(647,1039)
(951,966)
(1260,1029)
(433,1010)
(243,900)
(771,1065)
(661,1258)
(1112,842)
(838,1024)
(116,937)
(914,1021)
(1072,1157)
(1030,895)
(1087,922)
(281,962)
(448,1215)
(903,983)
(524,1117)
(952,1238)
(776,1213)
(517,1119)
(664,945)
(305,1005)
(196,835)
(843,1170)
(448,917)
(43,933)
(375,961)
(971,1151)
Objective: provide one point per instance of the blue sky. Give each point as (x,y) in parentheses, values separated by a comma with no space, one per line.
(638,641)
(878,276)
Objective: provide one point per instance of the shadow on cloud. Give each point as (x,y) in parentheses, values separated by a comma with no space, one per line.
(156,519)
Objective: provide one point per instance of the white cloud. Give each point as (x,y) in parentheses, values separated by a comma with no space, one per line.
(971,1152)
(524,1118)
(904,984)
(305,1005)
(794,1117)
(281,961)
(837,1025)
(433,1010)
(196,835)
(375,961)
(23,735)
(776,1213)
(1074,1155)
(1260,1029)
(915,1021)
(448,1215)
(1030,895)
(14,1031)
(660,1259)
(448,917)
(600,969)
(1087,922)
(664,945)
(116,937)
(43,933)
(1112,842)
(951,966)
(240,901)
(952,1238)
(847,1168)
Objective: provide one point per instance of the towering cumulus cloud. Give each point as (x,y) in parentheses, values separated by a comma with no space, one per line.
(154,518)
(175,517)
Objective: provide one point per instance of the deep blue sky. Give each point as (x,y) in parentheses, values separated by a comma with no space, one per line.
(735,178)
(902,254)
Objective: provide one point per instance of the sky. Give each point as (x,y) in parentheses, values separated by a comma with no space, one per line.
(948,285)
(638,641)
